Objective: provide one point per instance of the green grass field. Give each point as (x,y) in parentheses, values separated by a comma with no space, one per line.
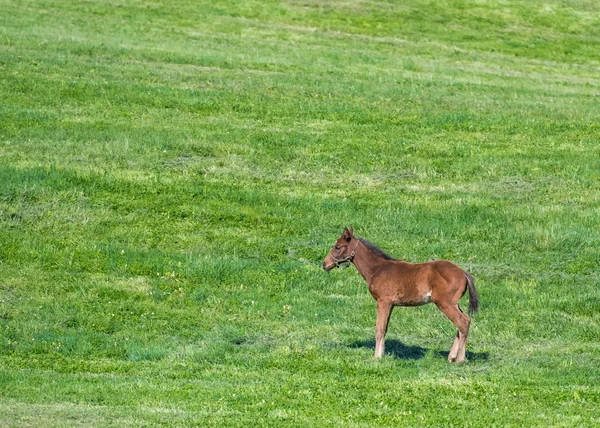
(172,175)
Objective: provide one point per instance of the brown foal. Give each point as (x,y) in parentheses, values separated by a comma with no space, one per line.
(393,282)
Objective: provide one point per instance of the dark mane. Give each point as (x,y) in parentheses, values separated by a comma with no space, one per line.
(375,249)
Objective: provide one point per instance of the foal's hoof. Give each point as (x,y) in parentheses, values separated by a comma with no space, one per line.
(451,359)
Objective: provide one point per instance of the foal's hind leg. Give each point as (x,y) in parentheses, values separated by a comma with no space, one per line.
(462,322)
(454,351)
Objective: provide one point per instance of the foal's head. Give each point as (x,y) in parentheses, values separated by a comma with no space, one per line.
(342,251)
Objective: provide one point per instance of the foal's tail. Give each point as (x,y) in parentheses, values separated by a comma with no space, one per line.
(473,297)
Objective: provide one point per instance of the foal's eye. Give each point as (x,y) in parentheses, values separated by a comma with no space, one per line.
(337,247)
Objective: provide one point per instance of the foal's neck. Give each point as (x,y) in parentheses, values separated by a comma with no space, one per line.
(367,262)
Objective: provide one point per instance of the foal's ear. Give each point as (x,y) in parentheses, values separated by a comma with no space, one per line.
(348,233)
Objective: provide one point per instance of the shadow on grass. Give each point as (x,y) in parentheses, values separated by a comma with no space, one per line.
(395,348)
(406,352)
(470,356)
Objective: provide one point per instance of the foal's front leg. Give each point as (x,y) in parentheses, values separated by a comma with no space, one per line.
(384,310)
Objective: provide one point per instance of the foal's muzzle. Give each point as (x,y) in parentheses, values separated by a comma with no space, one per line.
(328,267)
(329,263)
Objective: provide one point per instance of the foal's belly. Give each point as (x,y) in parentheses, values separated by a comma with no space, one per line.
(411,297)
(411,302)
